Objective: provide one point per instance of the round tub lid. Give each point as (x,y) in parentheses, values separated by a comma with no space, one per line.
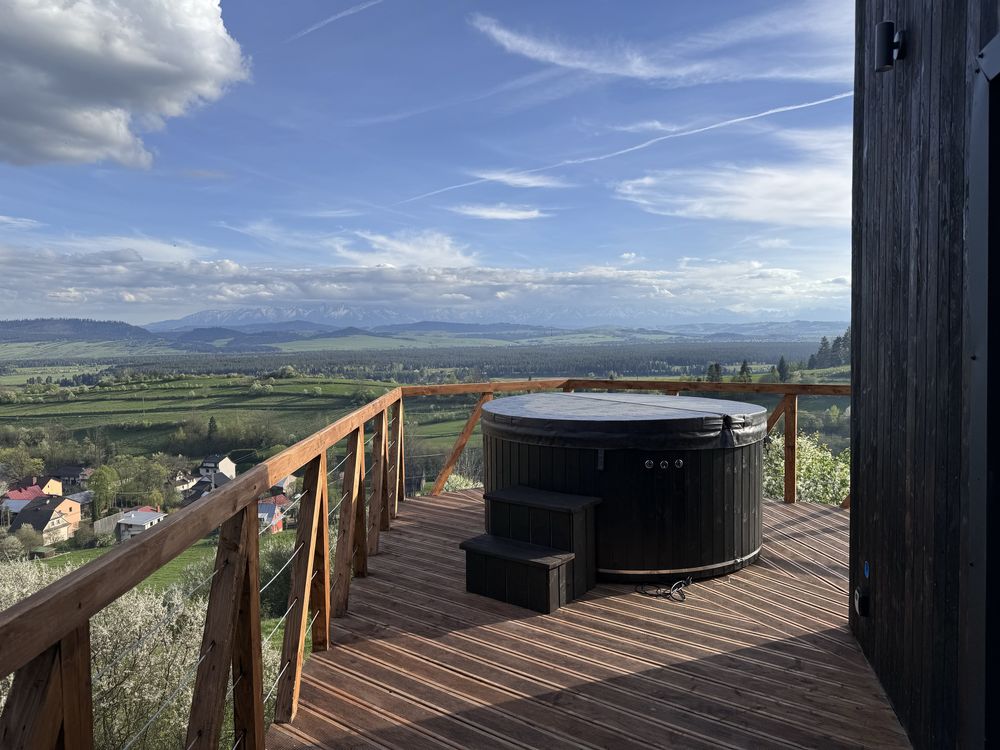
(625,420)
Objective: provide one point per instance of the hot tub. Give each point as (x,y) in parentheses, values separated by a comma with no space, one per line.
(679,477)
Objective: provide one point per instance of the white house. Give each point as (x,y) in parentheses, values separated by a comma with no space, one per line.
(136,522)
(217,464)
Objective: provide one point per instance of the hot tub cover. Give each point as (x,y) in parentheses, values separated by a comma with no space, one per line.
(625,420)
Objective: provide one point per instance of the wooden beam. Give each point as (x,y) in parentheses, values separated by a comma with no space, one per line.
(377,496)
(495,386)
(32,715)
(360,528)
(397,453)
(846,504)
(459,446)
(293,645)
(344,552)
(211,684)
(388,486)
(791,433)
(319,594)
(775,415)
(248,670)
(798,389)
(77,690)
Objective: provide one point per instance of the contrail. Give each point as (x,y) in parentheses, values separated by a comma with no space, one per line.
(336,17)
(644,144)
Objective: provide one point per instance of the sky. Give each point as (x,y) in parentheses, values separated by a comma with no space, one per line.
(587,162)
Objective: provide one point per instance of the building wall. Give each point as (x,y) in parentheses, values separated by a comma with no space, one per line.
(910,181)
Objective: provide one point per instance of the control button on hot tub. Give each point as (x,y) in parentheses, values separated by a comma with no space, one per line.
(679,463)
(664,464)
(649,463)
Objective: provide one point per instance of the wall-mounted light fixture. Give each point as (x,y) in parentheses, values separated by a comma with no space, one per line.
(888,46)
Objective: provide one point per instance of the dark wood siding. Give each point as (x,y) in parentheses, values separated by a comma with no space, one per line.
(910,181)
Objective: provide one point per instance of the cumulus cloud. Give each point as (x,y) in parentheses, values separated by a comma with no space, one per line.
(79,80)
(416,276)
(499,211)
(813,189)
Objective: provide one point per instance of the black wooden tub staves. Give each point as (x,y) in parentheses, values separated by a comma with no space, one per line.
(679,477)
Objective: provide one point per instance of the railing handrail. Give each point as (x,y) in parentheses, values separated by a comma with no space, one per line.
(56,619)
(36,622)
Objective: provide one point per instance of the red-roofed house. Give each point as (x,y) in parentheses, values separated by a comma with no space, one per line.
(27,493)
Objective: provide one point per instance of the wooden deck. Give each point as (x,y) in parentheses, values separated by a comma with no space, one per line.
(760,658)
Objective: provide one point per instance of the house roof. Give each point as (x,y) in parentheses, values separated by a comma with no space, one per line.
(69,470)
(213,460)
(269,513)
(38,513)
(140,517)
(25,493)
(281,499)
(15,506)
(85,497)
(21,484)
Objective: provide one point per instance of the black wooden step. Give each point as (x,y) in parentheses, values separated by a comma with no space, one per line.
(528,575)
(532,498)
(550,519)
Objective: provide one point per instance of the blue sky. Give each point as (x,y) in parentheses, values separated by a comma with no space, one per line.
(642,162)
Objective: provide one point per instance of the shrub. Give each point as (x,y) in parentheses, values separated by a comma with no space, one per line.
(104,540)
(459,482)
(29,538)
(821,476)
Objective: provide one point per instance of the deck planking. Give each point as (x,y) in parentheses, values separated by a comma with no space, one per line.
(759,658)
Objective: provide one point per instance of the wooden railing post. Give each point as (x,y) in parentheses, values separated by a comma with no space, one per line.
(248,668)
(293,645)
(378,496)
(50,703)
(205,720)
(360,535)
(351,497)
(791,433)
(396,476)
(775,415)
(459,446)
(319,594)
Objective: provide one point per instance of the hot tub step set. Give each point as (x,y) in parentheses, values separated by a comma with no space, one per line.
(538,551)
(635,487)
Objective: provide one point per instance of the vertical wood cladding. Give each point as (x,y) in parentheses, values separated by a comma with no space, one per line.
(910,178)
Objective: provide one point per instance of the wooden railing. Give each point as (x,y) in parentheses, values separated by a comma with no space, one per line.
(45,639)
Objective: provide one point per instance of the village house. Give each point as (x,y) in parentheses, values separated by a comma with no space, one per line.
(47,485)
(217,464)
(182,481)
(55,518)
(135,522)
(270,517)
(72,475)
(203,486)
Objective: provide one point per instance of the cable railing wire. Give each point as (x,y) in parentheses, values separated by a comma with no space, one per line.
(156,714)
(281,620)
(277,679)
(282,568)
(157,628)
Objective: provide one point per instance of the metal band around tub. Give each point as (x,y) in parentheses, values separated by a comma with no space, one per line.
(734,561)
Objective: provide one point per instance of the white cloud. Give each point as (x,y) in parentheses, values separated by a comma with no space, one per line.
(329,213)
(535,172)
(78,79)
(500,211)
(522,179)
(648,126)
(416,275)
(811,190)
(804,41)
(18,222)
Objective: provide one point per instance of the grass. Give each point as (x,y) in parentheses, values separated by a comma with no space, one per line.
(168,574)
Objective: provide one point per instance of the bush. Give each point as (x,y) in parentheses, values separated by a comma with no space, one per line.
(104,540)
(29,538)
(821,476)
(460,482)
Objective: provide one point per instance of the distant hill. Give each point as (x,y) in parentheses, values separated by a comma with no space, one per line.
(71,329)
